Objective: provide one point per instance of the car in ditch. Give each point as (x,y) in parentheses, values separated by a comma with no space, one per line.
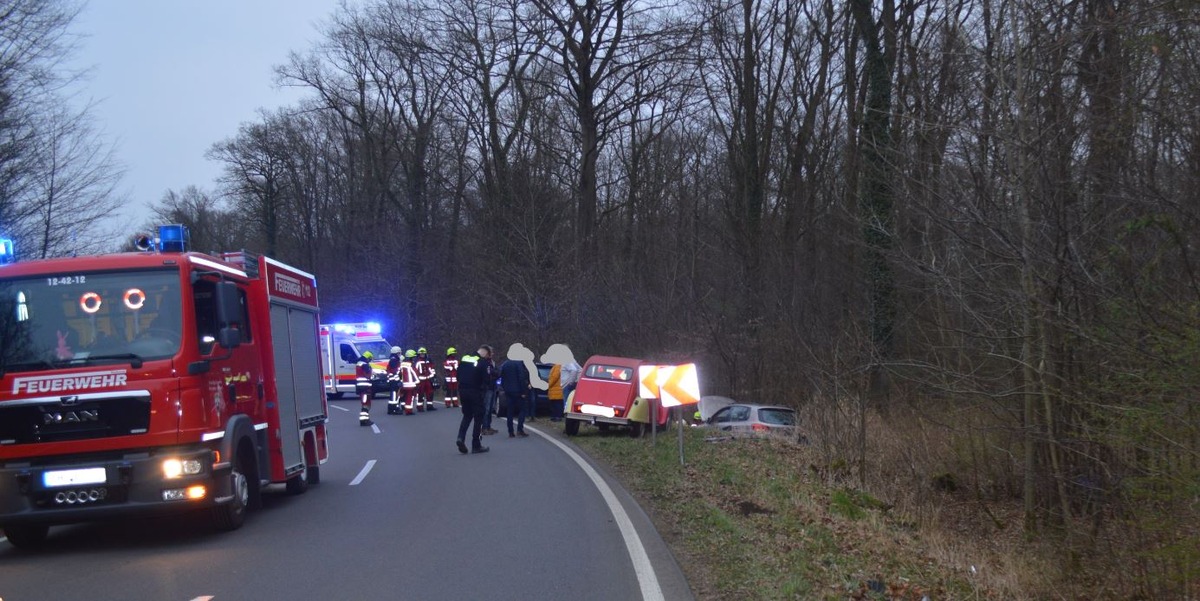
(607,395)
(750,419)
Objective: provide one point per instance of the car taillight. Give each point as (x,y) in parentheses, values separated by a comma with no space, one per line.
(760,427)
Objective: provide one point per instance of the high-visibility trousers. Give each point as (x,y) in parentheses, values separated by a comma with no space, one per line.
(410,400)
(364,397)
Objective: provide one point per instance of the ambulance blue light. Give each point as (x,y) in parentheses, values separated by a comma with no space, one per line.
(7,253)
(357,328)
(173,238)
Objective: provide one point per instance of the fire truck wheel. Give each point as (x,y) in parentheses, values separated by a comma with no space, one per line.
(333,396)
(314,475)
(571,426)
(26,536)
(298,484)
(635,429)
(232,515)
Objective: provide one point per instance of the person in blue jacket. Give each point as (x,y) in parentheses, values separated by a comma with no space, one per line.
(514,380)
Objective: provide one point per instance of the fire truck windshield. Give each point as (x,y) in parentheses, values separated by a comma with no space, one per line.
(72,319)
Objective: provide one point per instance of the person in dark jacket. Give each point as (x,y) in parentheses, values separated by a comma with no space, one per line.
(472,380)
(514,379)
(489,390)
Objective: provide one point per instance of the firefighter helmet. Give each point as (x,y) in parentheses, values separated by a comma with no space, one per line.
(410,353)
(397,350)
(451,351)
(367,355)
(422,351)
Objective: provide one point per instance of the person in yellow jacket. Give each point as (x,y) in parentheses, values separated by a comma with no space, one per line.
(555,393)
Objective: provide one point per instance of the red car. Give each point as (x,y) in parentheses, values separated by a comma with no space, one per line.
(606,394)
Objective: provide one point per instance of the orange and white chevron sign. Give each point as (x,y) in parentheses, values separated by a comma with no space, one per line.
(678,385)
(648,380)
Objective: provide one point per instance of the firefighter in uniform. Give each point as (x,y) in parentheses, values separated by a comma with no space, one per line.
(450,369)
(408,382)
(425,375)
(362,387)
(393,377)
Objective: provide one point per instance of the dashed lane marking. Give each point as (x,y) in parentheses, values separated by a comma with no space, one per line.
(362,474)
(647,579)
(339,407)
(204,598)
(375,428)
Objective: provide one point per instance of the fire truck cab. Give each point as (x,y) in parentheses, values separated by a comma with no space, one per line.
(152,382)
(341,346)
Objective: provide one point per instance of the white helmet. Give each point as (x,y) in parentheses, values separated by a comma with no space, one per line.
(397,350)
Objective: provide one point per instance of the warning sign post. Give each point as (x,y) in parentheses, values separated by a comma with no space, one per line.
(670,386)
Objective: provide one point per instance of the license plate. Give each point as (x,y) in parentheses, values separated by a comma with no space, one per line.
(90,475)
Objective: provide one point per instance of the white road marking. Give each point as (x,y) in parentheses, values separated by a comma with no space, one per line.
(204,598)
(339,407)
(375,429)
(362,474)
(647,580)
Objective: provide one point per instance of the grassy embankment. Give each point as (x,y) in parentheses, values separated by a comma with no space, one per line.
(752,519)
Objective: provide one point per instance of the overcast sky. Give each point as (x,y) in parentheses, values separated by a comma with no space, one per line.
(172,77)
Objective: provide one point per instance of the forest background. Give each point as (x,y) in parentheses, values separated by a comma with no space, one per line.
(968,226)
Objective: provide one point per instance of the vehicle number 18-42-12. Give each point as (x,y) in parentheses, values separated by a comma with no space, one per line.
(66,280)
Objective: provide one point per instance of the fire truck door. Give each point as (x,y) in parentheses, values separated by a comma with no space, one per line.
(285,386)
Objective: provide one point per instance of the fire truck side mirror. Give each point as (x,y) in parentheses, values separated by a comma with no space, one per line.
(229,315)
(229,338)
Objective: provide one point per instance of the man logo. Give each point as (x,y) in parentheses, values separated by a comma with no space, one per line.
(70,417)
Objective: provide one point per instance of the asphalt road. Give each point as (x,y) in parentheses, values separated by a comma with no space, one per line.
(525,521)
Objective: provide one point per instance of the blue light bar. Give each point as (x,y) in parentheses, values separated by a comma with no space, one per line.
(7,253)
(355,328)
(173,238)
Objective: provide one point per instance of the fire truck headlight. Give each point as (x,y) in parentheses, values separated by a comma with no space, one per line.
(174,468)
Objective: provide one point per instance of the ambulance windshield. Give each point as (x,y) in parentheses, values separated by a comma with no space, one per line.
(77,319)
(379,348)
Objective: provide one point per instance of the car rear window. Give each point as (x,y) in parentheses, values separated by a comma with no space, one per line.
(609,372)
(777,417)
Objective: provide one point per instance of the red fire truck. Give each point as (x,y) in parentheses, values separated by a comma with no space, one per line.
(154,381)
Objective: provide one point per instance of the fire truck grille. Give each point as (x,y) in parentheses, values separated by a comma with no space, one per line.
(80,420)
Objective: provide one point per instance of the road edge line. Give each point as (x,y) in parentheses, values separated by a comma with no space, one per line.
(647,578)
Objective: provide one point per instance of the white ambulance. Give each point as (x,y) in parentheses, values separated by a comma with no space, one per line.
(341,346)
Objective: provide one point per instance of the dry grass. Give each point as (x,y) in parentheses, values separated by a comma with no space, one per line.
(771,519)
(752,519)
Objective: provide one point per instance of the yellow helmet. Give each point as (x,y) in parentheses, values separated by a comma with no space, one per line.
(367,355)
(451,351)
(410,353)
(422,351)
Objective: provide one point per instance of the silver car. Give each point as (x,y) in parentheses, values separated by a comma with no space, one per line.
(747,418)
